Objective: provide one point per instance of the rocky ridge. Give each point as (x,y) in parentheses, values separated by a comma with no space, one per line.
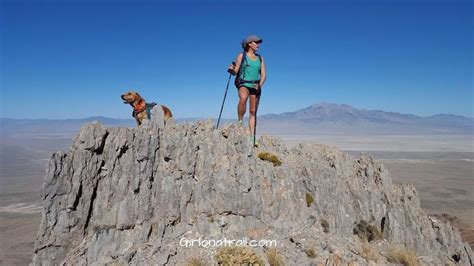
(131,195)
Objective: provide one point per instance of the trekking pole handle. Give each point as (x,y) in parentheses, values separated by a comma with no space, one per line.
(231,71)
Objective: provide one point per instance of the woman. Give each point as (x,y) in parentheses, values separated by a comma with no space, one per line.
(251,75)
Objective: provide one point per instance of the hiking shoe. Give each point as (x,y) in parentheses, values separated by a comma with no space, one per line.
(240,123)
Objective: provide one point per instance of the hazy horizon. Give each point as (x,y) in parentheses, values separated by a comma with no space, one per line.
(234,118)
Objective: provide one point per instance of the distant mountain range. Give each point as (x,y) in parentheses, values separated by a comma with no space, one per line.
(323,118)
(342,118)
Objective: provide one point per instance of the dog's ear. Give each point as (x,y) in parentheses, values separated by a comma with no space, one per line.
(138,95)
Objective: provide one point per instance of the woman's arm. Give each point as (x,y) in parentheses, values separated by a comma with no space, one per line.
(235,68)
(263,73)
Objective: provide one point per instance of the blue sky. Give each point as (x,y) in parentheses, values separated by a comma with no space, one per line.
(73,59)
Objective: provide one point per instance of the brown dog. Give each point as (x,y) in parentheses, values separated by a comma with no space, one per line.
(141,109)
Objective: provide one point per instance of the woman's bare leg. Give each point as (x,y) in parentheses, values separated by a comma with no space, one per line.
(243,95)
(254,101)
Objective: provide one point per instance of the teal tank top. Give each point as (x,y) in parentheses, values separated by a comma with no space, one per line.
(251,70)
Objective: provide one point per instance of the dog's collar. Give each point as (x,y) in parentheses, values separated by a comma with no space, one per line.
(140,107)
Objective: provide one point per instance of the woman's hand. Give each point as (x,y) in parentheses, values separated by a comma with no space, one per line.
(231,68)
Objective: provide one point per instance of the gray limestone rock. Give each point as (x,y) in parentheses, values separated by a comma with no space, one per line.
(144,195)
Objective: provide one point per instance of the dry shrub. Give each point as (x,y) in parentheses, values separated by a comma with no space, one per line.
(367,231)
(402,256)
(309,199)
(334,260)
(195,261)
(369,252)
(310,253)
(266,156)
(274,258)
(325,225)
(237,256)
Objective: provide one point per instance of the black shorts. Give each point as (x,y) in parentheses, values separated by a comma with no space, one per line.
(253,91)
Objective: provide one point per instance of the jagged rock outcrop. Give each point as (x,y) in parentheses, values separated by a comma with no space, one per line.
(131,195)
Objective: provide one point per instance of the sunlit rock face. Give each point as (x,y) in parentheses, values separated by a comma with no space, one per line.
(145,195)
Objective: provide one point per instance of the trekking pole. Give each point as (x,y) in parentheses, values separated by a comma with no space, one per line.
(225,95)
